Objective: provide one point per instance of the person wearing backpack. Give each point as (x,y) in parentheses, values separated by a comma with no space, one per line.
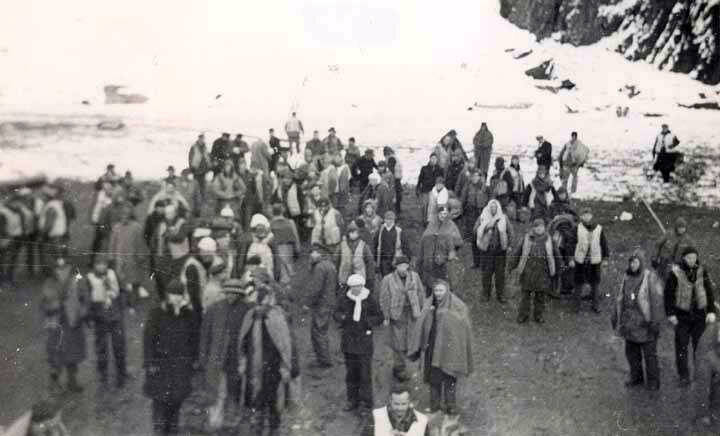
(501,183)
(573,155)
(664,159)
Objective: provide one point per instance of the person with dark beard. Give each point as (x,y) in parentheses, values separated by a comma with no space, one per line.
(399,417)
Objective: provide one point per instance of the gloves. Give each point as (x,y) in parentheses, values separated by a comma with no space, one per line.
(673,320)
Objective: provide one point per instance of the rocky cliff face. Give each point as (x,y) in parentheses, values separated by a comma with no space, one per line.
(675,35)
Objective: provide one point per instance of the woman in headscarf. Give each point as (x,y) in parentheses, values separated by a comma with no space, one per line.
(637,319)
(493,239)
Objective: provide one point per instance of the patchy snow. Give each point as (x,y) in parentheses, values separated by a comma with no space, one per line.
(408,105)
(616,10)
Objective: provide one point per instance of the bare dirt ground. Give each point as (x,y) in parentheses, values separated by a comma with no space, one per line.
(564,377)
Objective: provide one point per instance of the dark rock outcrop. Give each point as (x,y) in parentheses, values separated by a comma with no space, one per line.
(543,71)
(675,35)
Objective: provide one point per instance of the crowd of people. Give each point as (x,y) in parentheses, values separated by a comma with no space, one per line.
(222,240)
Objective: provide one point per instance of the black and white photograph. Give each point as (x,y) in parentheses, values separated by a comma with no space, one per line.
(360,218)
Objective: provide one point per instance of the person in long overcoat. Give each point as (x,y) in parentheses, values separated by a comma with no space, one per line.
(129,251)
(401,295)
(706,389)
(494,236)
(670,246)
(65,303)
(168,357)
(219,352)
(474,197)
(637,318)
(438,246)
(483,143)
(379,191)
(443,334)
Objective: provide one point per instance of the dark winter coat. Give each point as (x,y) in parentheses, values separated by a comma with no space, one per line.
(168,353)
(321,285)
(543,155)
(65,306)
(453,174)
(426,180)
(221,150)
(381,194)
(357,336)
(362,168)
(561,207)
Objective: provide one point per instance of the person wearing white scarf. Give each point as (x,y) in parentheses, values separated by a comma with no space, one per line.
(357,315)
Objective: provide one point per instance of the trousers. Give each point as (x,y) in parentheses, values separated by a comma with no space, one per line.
(319,335)
(635,354)
(565,174)
(443,389)
(110,331)
(493,266)
(166,417)
(686,331)
(528,297)
(358,379)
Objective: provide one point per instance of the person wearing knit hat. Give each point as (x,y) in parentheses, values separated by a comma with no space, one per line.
(207,246)
(356,258)
(357,314)
(170,344)
(378,190)
(534,262)
(591,257)
(258,243)
(321,285)
(689,305)
(401,294)
(670,247)
(560,205)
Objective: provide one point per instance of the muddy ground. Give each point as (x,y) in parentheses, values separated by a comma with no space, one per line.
(564,377)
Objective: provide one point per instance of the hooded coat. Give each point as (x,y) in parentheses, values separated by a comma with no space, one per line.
(483,143)
(493,232)
(638,308)
(452,350)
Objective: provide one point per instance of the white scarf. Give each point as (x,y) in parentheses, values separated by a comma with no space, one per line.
(358,299)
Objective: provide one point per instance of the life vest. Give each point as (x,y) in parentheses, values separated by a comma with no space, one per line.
(99,290)
(330,228)
(383,427)
(28,217)
(13,221)
(202,273)
(549,255)
(398,243)
(685,289)
(60,226)
(351,262)
(588,243)
(501,186)
(293,205)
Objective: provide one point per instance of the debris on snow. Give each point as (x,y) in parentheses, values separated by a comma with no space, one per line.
(626,216)
(544,71)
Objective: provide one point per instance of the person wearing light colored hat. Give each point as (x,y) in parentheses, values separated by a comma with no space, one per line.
(258,243)
(378,190)
(218,357)
(401,296)
(357,315)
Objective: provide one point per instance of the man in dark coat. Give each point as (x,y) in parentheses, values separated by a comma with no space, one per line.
(317,150)
(362,168)
(502,184)
(168,358)
(483,143)
(689,305)
(221,151)
(426,182)
(543,154)
(239,149)
(357,315)
(322,284)
(665,159)
(378,190)
(65,302)
(265,354)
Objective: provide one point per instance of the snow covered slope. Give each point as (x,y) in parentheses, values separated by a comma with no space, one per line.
(405,92)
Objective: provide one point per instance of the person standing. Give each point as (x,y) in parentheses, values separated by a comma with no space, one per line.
(333,144)
(11,234)
(321,286)
(473,198)
(541,195)
(357,315)
(221,151)
(239,149)
(316,149)
(389,243)
(168,356)
(265,354)
(274,143)
(129,251)
(534,263)
(443,334)
(671,246)
(328,228)
(483,143)
(689,305)
(355,258)
(637,318)
(352,154)
(437,249)
(395,168)
(229,189)
(54,222)
(591,256)
(98,217)
(401,296)
(437,197)
(64,305)
(572,156)
(342,194)
(494,236)
(378,190)
(362,168)
(200,163)
(502,184)
(707,373)
(260,157)
(219,351)
(399,417)
(108,302)
(286,241)
(426,182)
(294,129)
(543,154)
(664,159)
